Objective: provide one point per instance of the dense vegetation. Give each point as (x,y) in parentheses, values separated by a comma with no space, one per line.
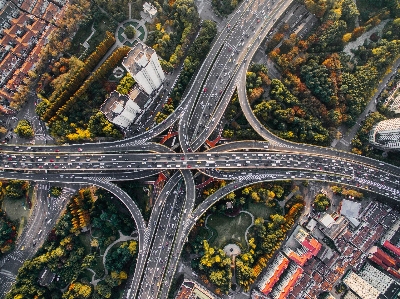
(322,87)
(15,189)
(170,37)
(67,255)
(24,129)
(195,56)
(237,126)
(224,7)
(264,239)
(8,233)
(347,192)
(321,202)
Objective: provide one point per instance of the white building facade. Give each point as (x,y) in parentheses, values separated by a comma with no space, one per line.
(142,63)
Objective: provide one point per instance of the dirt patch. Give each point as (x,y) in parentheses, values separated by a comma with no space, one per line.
(15,208)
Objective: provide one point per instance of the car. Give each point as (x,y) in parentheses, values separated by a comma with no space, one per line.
(182,158)
(189,166)
(51,160)
(79,149)
(56,150)
(205,89)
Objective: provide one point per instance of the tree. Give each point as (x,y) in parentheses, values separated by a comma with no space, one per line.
(321,202)
(55,191)
(16,188)
(125,84)
(130,32)
(24,129)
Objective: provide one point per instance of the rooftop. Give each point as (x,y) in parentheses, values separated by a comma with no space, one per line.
(193,290)
(386,134)
(137,58)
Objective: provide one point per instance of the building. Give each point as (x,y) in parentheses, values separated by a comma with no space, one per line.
(286,284)
(360,287)
(273,273)
(351,210)
(332,227)
(383,256)
(350,295)
(192,290)
(381,281)
(149,9)
(392,248)
(309,248)
(385,135)
(142,63)
(120,109)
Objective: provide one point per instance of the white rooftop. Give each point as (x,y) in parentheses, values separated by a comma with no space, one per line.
(327,220)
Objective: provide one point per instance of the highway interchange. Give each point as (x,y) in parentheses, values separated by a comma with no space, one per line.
(199,114)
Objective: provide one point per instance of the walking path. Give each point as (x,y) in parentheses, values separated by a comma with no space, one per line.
(121,238)
(94,282)
(247,229)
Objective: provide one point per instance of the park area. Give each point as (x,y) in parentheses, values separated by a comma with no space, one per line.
(228,229)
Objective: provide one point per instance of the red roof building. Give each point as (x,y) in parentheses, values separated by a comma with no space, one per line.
(391,247)
(273,273)
(309,248)
(293,277)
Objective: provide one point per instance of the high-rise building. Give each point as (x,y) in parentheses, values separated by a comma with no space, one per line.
(120,109)
(142,63)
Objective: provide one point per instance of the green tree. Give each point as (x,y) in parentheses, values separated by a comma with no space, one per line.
(16,188)
(321,202)
(125,84)
(130,31)
(55,191)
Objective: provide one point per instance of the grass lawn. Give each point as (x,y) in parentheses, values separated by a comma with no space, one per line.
(85,239)
(87,275)
(134,24)
(259,210)
(16,208)
(98,267)
(229,228)
(130,44)
(141,30)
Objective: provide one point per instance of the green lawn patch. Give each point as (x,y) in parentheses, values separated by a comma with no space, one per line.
(85,239)
(141,30)
(15,208)
(229,228)
(98,267)
(259,210)
(86,275)
(120,31)
(130,44)
(134,24)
